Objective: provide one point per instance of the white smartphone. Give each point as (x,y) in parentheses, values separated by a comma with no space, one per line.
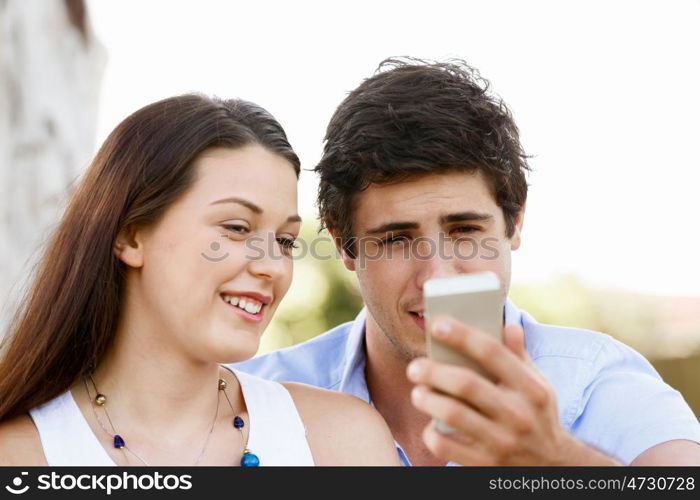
(475,299)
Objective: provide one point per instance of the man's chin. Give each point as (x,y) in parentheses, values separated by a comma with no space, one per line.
(413,344)
(412,350)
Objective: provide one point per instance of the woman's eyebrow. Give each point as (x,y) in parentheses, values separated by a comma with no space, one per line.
(252,207)
(248,204)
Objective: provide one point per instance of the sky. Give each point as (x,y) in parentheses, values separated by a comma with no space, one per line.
(605,95)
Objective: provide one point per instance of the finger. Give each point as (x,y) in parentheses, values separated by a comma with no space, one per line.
(496,359)
(460,382)
(514,339)
(491,354)
(445,446)
(497,403)
(453,413)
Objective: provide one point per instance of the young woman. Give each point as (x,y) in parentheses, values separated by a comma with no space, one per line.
(170,260)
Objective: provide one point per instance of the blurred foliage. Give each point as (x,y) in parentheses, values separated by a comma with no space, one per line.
(666,330)
(683,375)
(323,293)
(656,326)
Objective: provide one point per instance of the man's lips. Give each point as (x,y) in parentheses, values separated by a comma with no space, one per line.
(420,321)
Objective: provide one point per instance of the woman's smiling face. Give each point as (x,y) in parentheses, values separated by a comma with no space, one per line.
(210,274)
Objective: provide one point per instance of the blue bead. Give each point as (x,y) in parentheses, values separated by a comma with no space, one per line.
(238,422)
(250,460)
(118,441)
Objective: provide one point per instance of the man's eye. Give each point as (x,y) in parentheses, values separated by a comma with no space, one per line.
(287,243)
(466,229)
(395,238)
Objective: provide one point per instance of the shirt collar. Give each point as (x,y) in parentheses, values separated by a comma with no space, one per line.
(353,376)
(514,316)
(353,379)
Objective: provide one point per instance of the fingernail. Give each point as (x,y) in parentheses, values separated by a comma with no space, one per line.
(415,369)
(417,393)
(443,329)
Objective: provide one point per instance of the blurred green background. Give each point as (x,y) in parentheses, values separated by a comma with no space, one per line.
(666,330)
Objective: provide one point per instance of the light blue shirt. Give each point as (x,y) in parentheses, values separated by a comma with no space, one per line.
(609,396)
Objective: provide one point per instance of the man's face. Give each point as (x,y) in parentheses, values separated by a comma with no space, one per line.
(432,226)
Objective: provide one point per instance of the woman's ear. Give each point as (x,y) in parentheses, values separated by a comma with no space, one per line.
(128,247)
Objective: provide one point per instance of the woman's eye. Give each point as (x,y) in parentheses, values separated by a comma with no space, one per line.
(235,228)
(287,243)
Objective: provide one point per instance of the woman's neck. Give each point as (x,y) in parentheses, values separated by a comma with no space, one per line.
(148,380)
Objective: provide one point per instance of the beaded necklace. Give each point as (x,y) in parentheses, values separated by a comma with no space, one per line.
(249,459)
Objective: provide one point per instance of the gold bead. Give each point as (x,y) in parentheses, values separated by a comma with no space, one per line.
(222,384)
(100,399)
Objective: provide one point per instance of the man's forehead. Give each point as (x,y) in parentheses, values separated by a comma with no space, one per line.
(432,197)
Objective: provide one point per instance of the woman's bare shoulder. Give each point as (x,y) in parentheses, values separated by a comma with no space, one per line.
(20,443)
(342,429)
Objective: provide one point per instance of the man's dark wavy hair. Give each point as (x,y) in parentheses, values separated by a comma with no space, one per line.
(413,118)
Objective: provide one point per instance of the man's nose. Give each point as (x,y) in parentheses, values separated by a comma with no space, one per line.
(435,264)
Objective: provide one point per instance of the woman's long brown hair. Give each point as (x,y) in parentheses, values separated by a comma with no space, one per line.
(70,313)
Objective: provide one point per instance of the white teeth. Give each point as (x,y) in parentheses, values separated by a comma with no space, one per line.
(249,305)
(420,315)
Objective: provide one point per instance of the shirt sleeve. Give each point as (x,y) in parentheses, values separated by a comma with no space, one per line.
(627,408)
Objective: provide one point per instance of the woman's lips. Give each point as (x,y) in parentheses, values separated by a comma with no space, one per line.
(253,318)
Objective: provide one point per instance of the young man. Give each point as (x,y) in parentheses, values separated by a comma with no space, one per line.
(423,176)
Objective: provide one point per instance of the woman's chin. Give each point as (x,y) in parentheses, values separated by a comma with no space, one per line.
(240,349)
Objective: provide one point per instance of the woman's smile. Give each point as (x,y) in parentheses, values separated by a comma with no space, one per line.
(248,305)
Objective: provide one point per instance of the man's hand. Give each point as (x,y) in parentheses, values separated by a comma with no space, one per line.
(511,419)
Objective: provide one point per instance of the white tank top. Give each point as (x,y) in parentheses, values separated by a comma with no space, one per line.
(276,433)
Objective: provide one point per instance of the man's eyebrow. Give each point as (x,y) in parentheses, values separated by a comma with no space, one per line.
(456,217)
(252,207)
(465,216)
(393,226)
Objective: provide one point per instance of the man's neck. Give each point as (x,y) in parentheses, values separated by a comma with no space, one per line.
(390,392)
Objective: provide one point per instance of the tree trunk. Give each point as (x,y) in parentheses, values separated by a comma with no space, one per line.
(50,71)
